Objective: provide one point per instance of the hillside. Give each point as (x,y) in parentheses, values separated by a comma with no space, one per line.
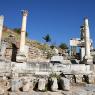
(36,49)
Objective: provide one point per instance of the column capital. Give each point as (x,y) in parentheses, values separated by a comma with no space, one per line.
(25,12)
(85,17)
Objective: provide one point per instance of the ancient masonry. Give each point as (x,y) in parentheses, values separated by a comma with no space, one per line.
(56,76)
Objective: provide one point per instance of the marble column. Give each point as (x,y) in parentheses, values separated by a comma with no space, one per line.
(23,30)
(23,51)
(82,48)
(88,57)
(1,27)
(82,52)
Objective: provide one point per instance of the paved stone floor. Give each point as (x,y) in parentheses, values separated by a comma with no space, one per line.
(75,90)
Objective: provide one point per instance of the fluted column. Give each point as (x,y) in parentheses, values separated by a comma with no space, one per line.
(23,30)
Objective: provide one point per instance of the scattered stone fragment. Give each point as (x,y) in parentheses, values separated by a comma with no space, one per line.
(2,90)
(65,83)
(26,87)
(91,79)
(41,84)
(54,86)
(79,78)
(16,84)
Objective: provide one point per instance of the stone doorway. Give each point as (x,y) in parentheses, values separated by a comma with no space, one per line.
(14,52)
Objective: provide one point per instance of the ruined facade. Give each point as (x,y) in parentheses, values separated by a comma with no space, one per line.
(21,75)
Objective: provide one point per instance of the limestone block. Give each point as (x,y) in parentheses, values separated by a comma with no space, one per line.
(21,57)
(70,77)
(91,78)
(79,78)
(1,91)
(90,87)
(31,85)
(26,87)
(16,84)
(65,83)
(54,86)
(41,84)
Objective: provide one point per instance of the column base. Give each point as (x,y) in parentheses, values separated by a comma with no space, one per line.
(21,57)
(88,60)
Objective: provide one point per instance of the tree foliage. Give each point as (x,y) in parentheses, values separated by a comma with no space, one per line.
(18,30)
(47,38)
(63,46)
(52,46)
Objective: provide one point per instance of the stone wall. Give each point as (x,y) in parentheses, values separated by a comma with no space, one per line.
(42,68)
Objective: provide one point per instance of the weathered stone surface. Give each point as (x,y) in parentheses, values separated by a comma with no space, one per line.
(21,57)
(80,92)
(79,78)
(16,84)
(71,78)
(65,83)
(41,84)
(91,78)
(88,57)
(54,86)
(26,87)
(1,91)
(90,87)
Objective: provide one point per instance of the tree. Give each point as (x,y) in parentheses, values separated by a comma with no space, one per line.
(63,46)
(47,38)
(52,46)
(18,30)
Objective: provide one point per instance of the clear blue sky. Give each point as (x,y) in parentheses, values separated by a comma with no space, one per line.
(60,18)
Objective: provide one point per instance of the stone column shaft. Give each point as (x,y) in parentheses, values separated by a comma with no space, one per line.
(88,58)
(1,27)
(23,30)
(82,53)
(87,38)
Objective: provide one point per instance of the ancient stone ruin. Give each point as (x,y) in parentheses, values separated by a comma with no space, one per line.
(21,75)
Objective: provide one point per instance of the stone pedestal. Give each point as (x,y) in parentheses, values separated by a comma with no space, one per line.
(26,87)
(41,84)
(16,84)
(65,83)
(54,86)
(79,78)
(88,60)
(21,57)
